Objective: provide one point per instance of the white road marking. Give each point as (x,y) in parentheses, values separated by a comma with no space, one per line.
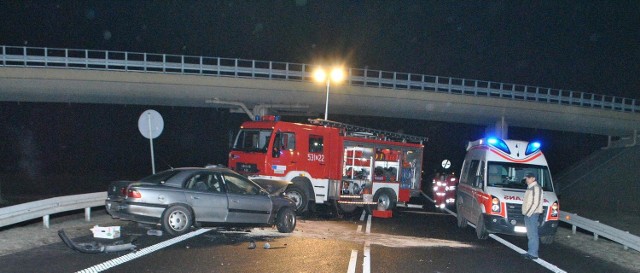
(147,250)
(540,261)
(366,260)
(364,213)
(359,230)
(522,251)
(352,261)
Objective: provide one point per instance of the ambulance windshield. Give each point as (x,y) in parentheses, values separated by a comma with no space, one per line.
(252,140)
(511,175)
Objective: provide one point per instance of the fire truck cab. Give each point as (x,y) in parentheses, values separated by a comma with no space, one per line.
(491,189)
(330,162)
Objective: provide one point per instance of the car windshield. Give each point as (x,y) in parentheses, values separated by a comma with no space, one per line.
(160,177)
(252,140)
(511,175)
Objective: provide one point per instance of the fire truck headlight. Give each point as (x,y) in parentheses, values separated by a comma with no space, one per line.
(442,206)
(495,208)
(446,188)
(439,183)
(453,179)
(435,188)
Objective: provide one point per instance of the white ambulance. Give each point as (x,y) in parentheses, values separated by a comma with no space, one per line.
(492,187)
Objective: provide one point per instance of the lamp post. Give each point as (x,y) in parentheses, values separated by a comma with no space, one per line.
(336,76)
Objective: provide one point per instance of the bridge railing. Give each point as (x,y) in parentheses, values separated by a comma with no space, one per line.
(227,67)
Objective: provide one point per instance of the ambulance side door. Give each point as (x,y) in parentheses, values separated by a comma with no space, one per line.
(475,198)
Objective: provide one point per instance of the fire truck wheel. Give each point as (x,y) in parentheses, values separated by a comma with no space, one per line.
(481,229)
(547,240)
(462,222)
(298,195)
(386,198)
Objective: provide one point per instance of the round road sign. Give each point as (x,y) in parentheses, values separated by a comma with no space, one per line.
(150,124)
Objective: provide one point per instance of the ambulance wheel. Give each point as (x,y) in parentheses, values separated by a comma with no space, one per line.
(298,195)
(386,197)
(547,240)
(481,229)
(462,223)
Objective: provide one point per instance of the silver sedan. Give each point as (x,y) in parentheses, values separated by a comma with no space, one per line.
(180,198)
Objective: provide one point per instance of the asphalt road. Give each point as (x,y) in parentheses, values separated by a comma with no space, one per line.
(414,240)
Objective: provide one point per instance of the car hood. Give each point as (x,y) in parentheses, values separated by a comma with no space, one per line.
(273,186)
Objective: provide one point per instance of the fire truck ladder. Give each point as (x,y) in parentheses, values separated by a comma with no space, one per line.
(354,130)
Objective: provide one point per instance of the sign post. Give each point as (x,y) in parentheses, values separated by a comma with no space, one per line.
(150,125)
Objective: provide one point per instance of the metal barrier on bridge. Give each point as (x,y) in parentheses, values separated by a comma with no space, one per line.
(241,68)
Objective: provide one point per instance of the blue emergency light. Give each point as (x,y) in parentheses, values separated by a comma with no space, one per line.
(532,147)
(499,143)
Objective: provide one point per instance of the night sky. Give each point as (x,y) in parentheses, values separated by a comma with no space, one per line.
(587,46)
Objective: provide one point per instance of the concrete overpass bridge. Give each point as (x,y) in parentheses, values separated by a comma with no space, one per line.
(260,87)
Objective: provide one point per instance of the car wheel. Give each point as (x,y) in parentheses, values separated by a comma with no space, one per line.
(481,229)
(547,240)
(462,222)
(286,220)
(299,196)
(177,220)
(384,197)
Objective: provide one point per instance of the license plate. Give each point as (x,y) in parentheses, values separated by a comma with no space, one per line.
(520,229)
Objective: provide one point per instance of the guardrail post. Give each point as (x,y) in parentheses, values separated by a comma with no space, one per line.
(573,229)
(235,68)
(626,247)
(87,214)
(45,221)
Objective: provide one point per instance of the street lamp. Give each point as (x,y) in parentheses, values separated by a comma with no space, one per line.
(336,76)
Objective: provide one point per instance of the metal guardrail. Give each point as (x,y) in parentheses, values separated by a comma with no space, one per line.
(46,207)
(626,239)
(241,68)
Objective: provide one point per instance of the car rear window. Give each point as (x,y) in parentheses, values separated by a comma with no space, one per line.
(160,177)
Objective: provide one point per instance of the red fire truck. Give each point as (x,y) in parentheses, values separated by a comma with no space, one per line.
(330,162)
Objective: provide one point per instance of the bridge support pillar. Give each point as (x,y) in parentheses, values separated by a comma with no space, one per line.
(499,129)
